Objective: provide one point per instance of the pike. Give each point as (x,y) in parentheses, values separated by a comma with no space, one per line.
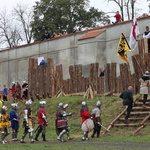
(37,129)
(104,127)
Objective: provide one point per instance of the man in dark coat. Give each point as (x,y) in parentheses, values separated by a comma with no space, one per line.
(127,97)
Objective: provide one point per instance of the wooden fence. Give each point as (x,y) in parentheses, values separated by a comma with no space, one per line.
(48,80)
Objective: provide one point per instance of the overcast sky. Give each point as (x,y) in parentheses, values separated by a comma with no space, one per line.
(100,4)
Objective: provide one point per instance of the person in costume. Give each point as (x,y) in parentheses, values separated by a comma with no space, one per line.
(61,123)
(97,120)
(27,122)
(144,85)
(66,118)
(4,124)
(84,114)
(42,121)
(14,121)
(25,90)
(1,102)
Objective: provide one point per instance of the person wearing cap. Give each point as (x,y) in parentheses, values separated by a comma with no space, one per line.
(25,90)
(127,96)
(42,121)
(60,122)
(4,124)
(27,122)
(84,114)
(144,84)
(66,118)
(14,118)
(97,120)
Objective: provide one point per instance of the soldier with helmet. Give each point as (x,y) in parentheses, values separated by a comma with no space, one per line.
(4,124)
(14,118)
(84,114)
(42,121)
(28,123)
(61,123)
(97,120)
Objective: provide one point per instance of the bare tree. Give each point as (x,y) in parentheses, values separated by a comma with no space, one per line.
(129,6)
(9,34)
(24,15)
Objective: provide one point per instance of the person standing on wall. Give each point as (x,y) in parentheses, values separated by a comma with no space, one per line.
(144,84)
(146,35)
(127,97)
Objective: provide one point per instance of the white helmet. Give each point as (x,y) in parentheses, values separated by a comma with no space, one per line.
(60,104)
(4,107)
(98,103)
(42,102)
(83,103)
(14,105)
(29,102)
(65,106)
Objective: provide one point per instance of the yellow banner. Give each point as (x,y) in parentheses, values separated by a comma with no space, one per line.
(123,48)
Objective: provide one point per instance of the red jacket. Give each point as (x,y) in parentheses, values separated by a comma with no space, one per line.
(41,112)
(84,114)
(118,17)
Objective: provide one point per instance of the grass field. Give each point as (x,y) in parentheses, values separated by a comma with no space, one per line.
(111,106)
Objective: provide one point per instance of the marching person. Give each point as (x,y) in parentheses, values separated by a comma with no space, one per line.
(84,114)
(96,119)
(27,123)
(1,102)
(42,121)
(144,84)
(25,90)
(61,123)
(66,118)
(4,124)
(127,97)
(14,121)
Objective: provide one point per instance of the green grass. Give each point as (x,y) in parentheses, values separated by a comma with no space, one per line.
(111,106)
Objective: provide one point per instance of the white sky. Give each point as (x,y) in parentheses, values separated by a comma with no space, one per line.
(100,4)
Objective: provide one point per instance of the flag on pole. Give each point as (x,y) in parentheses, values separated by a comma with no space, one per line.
(123,48)
(134,34)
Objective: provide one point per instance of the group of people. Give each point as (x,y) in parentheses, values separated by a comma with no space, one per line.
(19,91)
(47,35)
(12,120)
(95,116)
(127,95)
